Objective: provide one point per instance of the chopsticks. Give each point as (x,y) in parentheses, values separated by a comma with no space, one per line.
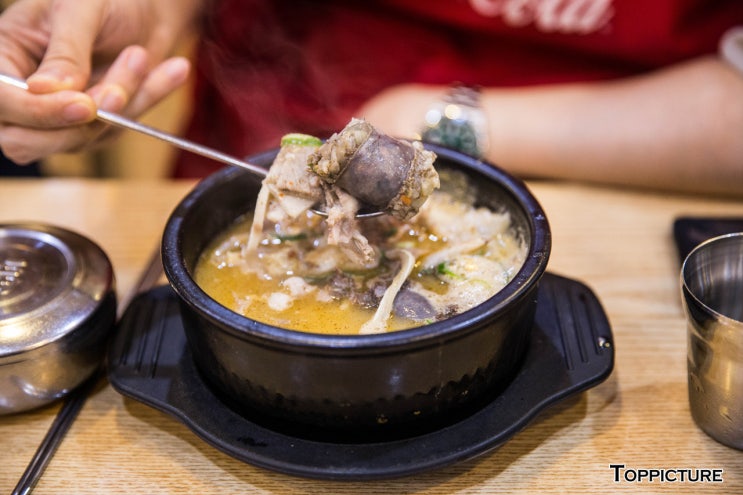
(57,431)
(75,401)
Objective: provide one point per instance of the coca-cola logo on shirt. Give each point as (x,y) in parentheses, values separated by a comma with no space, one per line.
(563,16)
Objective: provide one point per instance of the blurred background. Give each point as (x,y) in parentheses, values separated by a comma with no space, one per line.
(131,155)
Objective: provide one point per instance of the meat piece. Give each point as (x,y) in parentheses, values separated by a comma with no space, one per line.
(343,228)
(366,292)
(290,181)
(411,304)
(394,175)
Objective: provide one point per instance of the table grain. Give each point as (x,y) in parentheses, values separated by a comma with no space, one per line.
(618,242)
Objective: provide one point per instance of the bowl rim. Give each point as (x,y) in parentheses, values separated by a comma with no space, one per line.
(520,286)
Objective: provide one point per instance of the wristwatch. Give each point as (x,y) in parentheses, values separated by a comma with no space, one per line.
(457,122)
(731,48)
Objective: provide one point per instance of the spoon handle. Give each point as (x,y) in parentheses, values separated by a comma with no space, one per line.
(184,144)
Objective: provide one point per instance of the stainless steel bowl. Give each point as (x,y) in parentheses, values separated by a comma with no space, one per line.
(57,306)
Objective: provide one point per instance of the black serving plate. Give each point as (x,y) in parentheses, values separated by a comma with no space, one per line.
(689,232)
(570,350)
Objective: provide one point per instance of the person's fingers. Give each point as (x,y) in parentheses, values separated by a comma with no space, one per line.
(122,80)
(67,59)
(62,108)
(159,83)
(25,145)
(129,88)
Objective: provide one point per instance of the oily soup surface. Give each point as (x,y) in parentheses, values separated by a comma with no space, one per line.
(264,298)
(463,255)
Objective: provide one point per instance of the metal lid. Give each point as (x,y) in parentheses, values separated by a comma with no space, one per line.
(51,281)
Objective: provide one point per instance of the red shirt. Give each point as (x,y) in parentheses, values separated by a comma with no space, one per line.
(269,67)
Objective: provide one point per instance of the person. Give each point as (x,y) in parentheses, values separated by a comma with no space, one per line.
(622,92)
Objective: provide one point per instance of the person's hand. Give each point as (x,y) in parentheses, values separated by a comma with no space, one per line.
(80,56)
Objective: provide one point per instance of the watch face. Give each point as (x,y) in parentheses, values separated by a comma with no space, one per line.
(455,134)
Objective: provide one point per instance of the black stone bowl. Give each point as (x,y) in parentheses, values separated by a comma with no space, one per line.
(355,388)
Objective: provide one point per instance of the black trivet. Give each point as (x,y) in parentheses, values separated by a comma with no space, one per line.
(570,350)
(690,231)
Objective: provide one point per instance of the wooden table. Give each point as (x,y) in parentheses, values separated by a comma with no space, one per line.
(617,242)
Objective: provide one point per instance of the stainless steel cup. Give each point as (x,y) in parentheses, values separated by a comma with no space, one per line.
(712,290)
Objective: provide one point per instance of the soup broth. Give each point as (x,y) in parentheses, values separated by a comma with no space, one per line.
(294,279)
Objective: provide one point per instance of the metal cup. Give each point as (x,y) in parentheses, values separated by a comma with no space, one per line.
(712,290)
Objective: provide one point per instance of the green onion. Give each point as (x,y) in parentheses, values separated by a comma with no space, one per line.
(442,269)
(298,139)
(289,238)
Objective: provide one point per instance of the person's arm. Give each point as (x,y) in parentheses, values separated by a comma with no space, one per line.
(79,56)
(674,129)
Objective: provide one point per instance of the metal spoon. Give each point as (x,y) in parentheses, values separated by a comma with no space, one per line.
(184,144)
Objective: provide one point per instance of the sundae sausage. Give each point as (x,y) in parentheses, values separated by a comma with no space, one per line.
(393,175)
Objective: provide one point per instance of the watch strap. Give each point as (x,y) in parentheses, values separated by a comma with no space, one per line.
(457,121)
